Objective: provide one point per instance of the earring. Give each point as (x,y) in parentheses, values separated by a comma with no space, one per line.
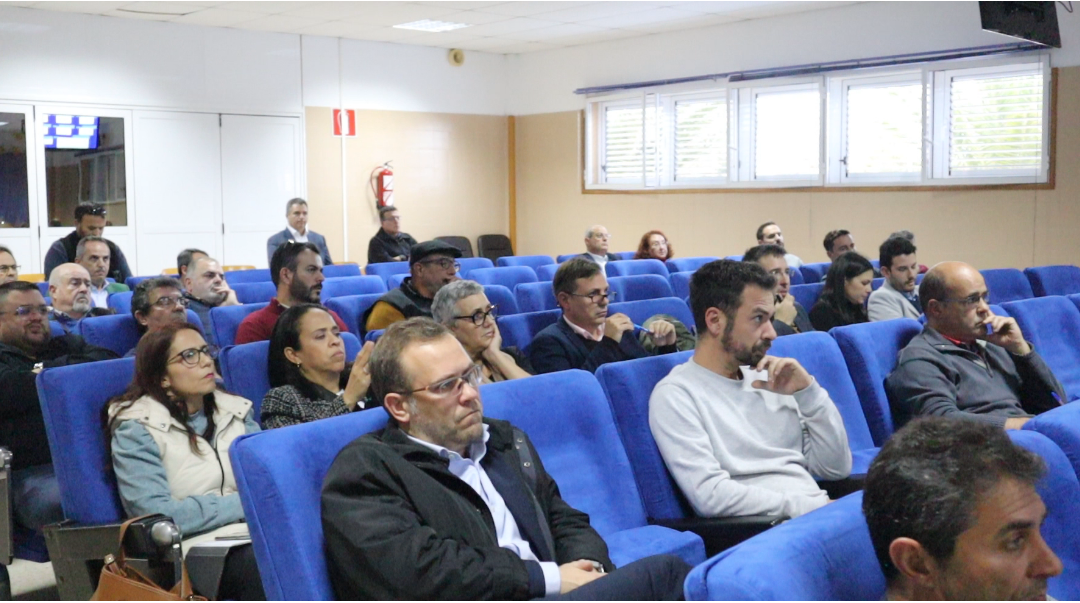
(297,366)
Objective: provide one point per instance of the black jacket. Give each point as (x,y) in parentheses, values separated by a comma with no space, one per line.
(22,427)
(63,251)
(825,316)
(384,247)
(611,257)
(802,323)
(559,348)
(399,525)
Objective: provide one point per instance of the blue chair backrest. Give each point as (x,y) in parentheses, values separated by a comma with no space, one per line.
(279,474)
(547,273)
(632,267)
(351,308)
(1007,284)
(688,264)
(394,281)
(470,264)
(680,284)
(876,284)
(55,328)
(535,297)
(244,369)
(734,258)
(640,311)
(532,261)
(566,256)
(386,269)
(1075,299)
(131,282)
(255,275)
(352,285)
(340,270)
(628,386)
(118,332)
(870,352)
(373,336)
(796,277)
(502,297)
(518,330)
(1053,280)
(807,294)
(225,321)
(254,293)
(639,287)
(1062,425)
(876,264)
(72,399)
(121,302)
(625,255)
(813,273)
(44,288)
(1052,325)
(509,277)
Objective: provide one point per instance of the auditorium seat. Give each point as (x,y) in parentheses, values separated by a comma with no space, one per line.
(639,287)
(352,285)
(680,284)
(118,332)
(734,258)
(532,261)
(1052,325)
(257,275)
(56,329)
(131,282)
(688,264)
(462,243)
(876,264)
(121,302)
(503,298)
(1007,284)
(1075,299)
(640,311)
(796,277)
(876,284)
(470,264)
(518,330)
(493,246)
(394,280)
(827,555)
(351,308)
(633,267)
(244,370)
(1053,280)
(547,273)
(386,269)
(508,277)
(374,335)
(535,297)
(254,293)
(341,270)
(44,288)
(813,273)
(807,294)
(870,352)
(1062,425)
(225,321)
(567,256)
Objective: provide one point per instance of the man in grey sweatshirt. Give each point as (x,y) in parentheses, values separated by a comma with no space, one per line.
(744,433)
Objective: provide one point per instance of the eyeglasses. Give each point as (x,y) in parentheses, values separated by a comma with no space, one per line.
(970,300)
(444,263)
(604,237)
(454,385)
(192,356)
(479,317)
(9,268)
(96,210)
(596,296)
(24,311)
(167,301)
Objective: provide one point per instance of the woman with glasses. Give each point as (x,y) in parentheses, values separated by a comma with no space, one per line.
(170,437)
(308,373)
(654,246)
(463,308)
(9,270)
(843,299)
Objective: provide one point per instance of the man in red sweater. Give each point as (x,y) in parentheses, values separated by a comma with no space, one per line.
(296,269)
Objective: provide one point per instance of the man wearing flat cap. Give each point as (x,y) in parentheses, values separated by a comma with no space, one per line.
(432,264)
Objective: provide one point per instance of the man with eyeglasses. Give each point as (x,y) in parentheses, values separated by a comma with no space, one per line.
(389,244)
(69,290)
(432,265)
(89,221)
(586,337)
(596,246)
(92,253)
(9,270)
(969,363)
(27,348)
(444,503)
(157,302)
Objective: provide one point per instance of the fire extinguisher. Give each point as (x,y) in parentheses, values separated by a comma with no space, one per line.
(382,184)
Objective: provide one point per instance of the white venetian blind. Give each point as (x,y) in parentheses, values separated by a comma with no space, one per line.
(629,145)
(701,139)
(787,134)
(996,123)
(883,133)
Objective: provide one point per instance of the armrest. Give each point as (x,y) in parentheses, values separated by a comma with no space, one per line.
(840,488)
(77,553)
(722,533)
(7,524)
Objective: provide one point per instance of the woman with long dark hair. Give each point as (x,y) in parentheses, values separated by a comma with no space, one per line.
(654,246)
(843,299)
(308,372)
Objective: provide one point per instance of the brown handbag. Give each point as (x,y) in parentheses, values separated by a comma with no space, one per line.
(121,583)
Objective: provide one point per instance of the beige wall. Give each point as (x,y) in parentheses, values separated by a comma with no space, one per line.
(450,175)
(988,228)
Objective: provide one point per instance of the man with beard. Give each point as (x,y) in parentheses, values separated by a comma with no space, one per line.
(297,272)
(89,221)
(791,317)
(205,288)
(432,265)
(92,253)
(69,289)
(897,297)
(744,433)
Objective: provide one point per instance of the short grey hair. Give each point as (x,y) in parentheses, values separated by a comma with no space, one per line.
(292,202)
(387,374)
(81,247)
(903,234)
(445,304)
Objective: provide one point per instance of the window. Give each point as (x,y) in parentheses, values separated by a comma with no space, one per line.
(84,164)
(630,142)
(701,139)
(787,134)
(882,130)
(14,194)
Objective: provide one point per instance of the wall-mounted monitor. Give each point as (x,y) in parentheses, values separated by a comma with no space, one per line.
(1031,21)
(70,131)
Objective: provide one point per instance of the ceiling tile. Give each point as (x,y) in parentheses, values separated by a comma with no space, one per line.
(460,5)
(722,6)
(326,10)
(396,13)
(510,26)
(596,37)
(19,4)
(473,17)
(643,19)
(683,24)
(527,8)
(281,23)
(596,10)
(140,16)
(267,7)
(446,39)
(335,29)
(386,34)
(177,9)
(93,8)
(546,34)
(522,47)
(484,44)
(218,17)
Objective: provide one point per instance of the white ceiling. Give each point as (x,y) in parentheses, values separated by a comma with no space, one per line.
(494,26)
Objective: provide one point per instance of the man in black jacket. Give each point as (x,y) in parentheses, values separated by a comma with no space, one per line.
(389,244)
(89,220)
(26,348)
(444,504)
(790,317)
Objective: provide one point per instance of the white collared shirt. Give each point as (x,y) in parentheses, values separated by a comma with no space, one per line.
(99,298)
(596,335)
(599,259)
(295,234)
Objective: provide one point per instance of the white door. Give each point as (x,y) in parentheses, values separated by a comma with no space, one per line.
(178,168)
(18,186)
(260,172)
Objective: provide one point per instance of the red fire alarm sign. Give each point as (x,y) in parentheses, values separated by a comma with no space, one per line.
(344,122)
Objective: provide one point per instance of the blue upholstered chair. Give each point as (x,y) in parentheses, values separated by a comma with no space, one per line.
(640,286)
(870,352)
(624,255)
(1075,299)
(351,308)
(532,261)
(386,269)
(734,258)
(254,292)
(394,280)
(341,270)
(118,332)
(826,555)
(807,294)
(352,285)
(373,336)
(255,275)
(640,311)
(566,256)
(470,264)
(1062,425)
(1052,325)
(813,273)
(502,297)
(131,282)
(518,330)
(680,284)
(1007,284)
(547,272)
(1053,280)
(876,284)
(688,264)
(633,267)
(509,276)
(225,321)
(535,297)
(796,277)
(121,302)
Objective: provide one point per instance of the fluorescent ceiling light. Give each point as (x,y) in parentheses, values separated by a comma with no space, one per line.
(431,26)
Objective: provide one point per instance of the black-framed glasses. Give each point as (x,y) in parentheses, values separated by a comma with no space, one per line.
(454,385)
(192,356)
(479,317)
(96,210)
(970,300)
(444,263)
(167,301)
(9,268)
(596,296)
(24,311)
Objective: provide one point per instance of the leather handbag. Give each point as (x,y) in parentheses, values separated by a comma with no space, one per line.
(121,583)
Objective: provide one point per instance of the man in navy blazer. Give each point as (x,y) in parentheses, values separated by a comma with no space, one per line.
(296,212)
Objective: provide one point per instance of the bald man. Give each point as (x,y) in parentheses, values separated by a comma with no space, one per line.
(596,246)
(968,363)
(69,290)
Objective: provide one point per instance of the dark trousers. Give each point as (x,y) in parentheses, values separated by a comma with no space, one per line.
(656,578)
(240,579)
